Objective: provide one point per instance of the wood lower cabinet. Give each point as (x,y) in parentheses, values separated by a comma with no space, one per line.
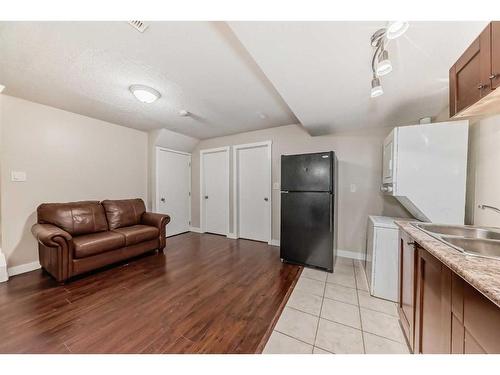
(406,304)
(440,312)
(433,305)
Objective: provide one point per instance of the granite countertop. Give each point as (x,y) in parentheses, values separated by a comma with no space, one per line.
(482,273)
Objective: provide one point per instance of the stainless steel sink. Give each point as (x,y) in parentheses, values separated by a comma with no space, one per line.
(477,241)
(479,247)
(461,231)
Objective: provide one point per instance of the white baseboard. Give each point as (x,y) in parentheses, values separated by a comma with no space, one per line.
(22,268)
(195,229)
(350,254)
(274,243)
(231,236)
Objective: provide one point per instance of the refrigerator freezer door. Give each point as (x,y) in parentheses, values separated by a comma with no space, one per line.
(307,172)
(307,228)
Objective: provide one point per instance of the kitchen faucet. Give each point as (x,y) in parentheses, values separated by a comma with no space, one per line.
(485,206)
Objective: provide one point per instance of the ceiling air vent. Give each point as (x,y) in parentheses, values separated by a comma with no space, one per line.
(138,25)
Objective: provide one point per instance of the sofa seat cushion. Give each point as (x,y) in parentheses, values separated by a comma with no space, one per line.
(138,233)
(97,243)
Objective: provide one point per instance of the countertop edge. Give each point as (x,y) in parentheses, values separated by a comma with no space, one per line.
(481,273)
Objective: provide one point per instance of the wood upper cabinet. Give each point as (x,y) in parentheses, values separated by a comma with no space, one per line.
(495,54)
(476,72)
(433,305)
(406,303)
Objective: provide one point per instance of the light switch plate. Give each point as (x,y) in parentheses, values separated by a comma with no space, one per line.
(353,188)
(18,176)
(276,186)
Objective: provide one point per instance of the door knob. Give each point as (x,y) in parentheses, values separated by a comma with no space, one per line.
(493,76)
(162,200)
(266,199)
(206,196)
(480,87)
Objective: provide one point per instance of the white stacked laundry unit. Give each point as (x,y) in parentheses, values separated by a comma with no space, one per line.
(425,169)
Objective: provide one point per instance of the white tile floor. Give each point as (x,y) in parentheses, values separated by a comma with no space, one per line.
(334,313)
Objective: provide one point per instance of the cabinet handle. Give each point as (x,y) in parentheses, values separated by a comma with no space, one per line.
(480,87)
(493,76)
(410,243)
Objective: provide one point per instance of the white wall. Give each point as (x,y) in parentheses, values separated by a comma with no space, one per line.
(66,157)
(484,178)
(360,163)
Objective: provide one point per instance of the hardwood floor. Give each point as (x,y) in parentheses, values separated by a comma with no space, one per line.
(205,294)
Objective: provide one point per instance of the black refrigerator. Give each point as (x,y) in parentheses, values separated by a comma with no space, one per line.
(309,209)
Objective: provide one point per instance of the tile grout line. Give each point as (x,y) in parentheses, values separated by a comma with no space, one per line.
(359,309)
(320,311)
(295,338)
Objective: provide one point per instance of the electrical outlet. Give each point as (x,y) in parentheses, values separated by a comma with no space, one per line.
(18,176)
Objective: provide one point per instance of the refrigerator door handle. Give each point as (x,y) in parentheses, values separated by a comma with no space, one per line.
(331,215)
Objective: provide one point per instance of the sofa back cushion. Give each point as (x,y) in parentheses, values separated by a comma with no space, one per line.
(123,213)
(76,218)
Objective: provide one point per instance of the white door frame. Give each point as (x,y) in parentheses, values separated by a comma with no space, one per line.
(236,212)
(225,149)
(157,194)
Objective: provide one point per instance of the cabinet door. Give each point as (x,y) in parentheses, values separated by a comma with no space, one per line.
(433,306)
(406,303)
(495,54)
(482,323)
(472,72)
(453,90)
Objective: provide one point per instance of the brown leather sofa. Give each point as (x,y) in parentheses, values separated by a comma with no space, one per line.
(77,237)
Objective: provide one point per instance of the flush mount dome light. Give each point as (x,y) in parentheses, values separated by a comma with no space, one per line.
(396,28)
(384,65)
(377,89)
(145,94)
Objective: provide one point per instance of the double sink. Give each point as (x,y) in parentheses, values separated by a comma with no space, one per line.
(476,241)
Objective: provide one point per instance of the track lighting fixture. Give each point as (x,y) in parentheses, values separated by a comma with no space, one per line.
(381,65)
(384,65)
(396,28)
(377,90)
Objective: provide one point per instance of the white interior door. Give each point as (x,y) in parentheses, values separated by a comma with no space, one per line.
(215,191)
(174,189)
(253,191)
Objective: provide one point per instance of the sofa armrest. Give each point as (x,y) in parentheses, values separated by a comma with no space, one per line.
(155,220)
(50,235)
(158,221)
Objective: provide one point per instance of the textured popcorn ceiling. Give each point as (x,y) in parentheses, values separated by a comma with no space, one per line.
(87,67)
(229,74)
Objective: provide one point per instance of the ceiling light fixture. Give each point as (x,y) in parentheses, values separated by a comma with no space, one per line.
(377,89)
(396,28)
(145,94)
(384,65)
(381,65)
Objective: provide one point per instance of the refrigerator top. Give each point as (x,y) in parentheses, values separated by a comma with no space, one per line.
(308,172)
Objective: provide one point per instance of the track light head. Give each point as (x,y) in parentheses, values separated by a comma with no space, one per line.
(396,28)
(384,65)
(377,89)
